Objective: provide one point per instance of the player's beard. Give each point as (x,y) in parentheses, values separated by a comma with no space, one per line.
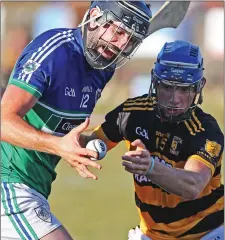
(95,42)
(92,38)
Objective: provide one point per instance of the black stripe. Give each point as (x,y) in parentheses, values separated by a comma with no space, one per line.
(143,182)
(142,109)
(143,99)
(217,171)
(139,101)
(208,223)
(182,210)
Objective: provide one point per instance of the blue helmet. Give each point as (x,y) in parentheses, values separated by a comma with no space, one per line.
(179,65)
(179,61)
(134,17)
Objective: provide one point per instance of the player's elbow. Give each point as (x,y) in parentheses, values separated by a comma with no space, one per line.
(192,194)
(7,124)
(4,129)
(192,191)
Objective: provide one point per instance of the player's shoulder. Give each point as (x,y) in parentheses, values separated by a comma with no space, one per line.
(140,103)
(51,35)
(201,126)
(207,121)
(54,45)
(50,42)
(133,108)
(140,98)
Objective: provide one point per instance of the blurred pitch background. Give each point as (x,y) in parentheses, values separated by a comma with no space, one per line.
(105,209)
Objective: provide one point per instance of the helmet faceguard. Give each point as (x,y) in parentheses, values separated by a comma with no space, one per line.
(177,81)
(129,17)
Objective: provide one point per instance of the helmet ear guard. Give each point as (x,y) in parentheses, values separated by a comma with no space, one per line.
(200,87)
(87,19)
(93,20)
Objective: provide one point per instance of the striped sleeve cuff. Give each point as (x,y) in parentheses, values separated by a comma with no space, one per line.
(31,89)
(202,160)
(101,135)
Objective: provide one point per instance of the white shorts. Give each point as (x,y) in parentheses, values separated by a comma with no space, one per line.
(216,234)
(25,213)
(137,234)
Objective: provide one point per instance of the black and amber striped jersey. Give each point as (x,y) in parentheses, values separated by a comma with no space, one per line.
(164,215)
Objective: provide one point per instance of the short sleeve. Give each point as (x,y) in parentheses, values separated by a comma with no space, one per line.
(37,63)
(29,74)
(208,147)
(114,125)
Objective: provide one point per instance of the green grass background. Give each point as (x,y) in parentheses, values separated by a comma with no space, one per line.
(105,209)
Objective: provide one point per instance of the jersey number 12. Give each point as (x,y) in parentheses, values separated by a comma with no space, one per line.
(84,101)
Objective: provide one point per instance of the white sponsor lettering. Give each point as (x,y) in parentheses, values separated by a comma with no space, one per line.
(142,132)
(135,27)
(175,70)
(67,126)
(156,158)
(70,92)
(126,19)
(141,178)
(137,20)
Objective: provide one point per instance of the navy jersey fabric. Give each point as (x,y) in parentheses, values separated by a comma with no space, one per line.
(53,69)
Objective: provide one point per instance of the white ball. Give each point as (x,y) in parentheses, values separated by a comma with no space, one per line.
(99,146)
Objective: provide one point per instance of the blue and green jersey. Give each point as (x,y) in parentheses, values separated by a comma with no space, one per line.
(53,68)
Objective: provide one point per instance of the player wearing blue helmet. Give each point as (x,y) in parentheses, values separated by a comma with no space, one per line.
(53,88)
(177,80)
(175,151)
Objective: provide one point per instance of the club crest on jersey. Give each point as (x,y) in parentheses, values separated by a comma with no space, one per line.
(30,66)
(43,214)
(212,148)
(174,145)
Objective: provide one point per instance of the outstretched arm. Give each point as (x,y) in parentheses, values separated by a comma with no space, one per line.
(15,103)
(187,183)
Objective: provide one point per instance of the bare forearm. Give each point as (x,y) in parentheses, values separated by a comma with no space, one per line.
(177,181)
(16,131)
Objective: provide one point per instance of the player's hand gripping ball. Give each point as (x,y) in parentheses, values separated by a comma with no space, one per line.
(99,146)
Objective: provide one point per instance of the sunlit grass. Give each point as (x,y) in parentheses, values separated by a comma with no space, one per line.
(102,209)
